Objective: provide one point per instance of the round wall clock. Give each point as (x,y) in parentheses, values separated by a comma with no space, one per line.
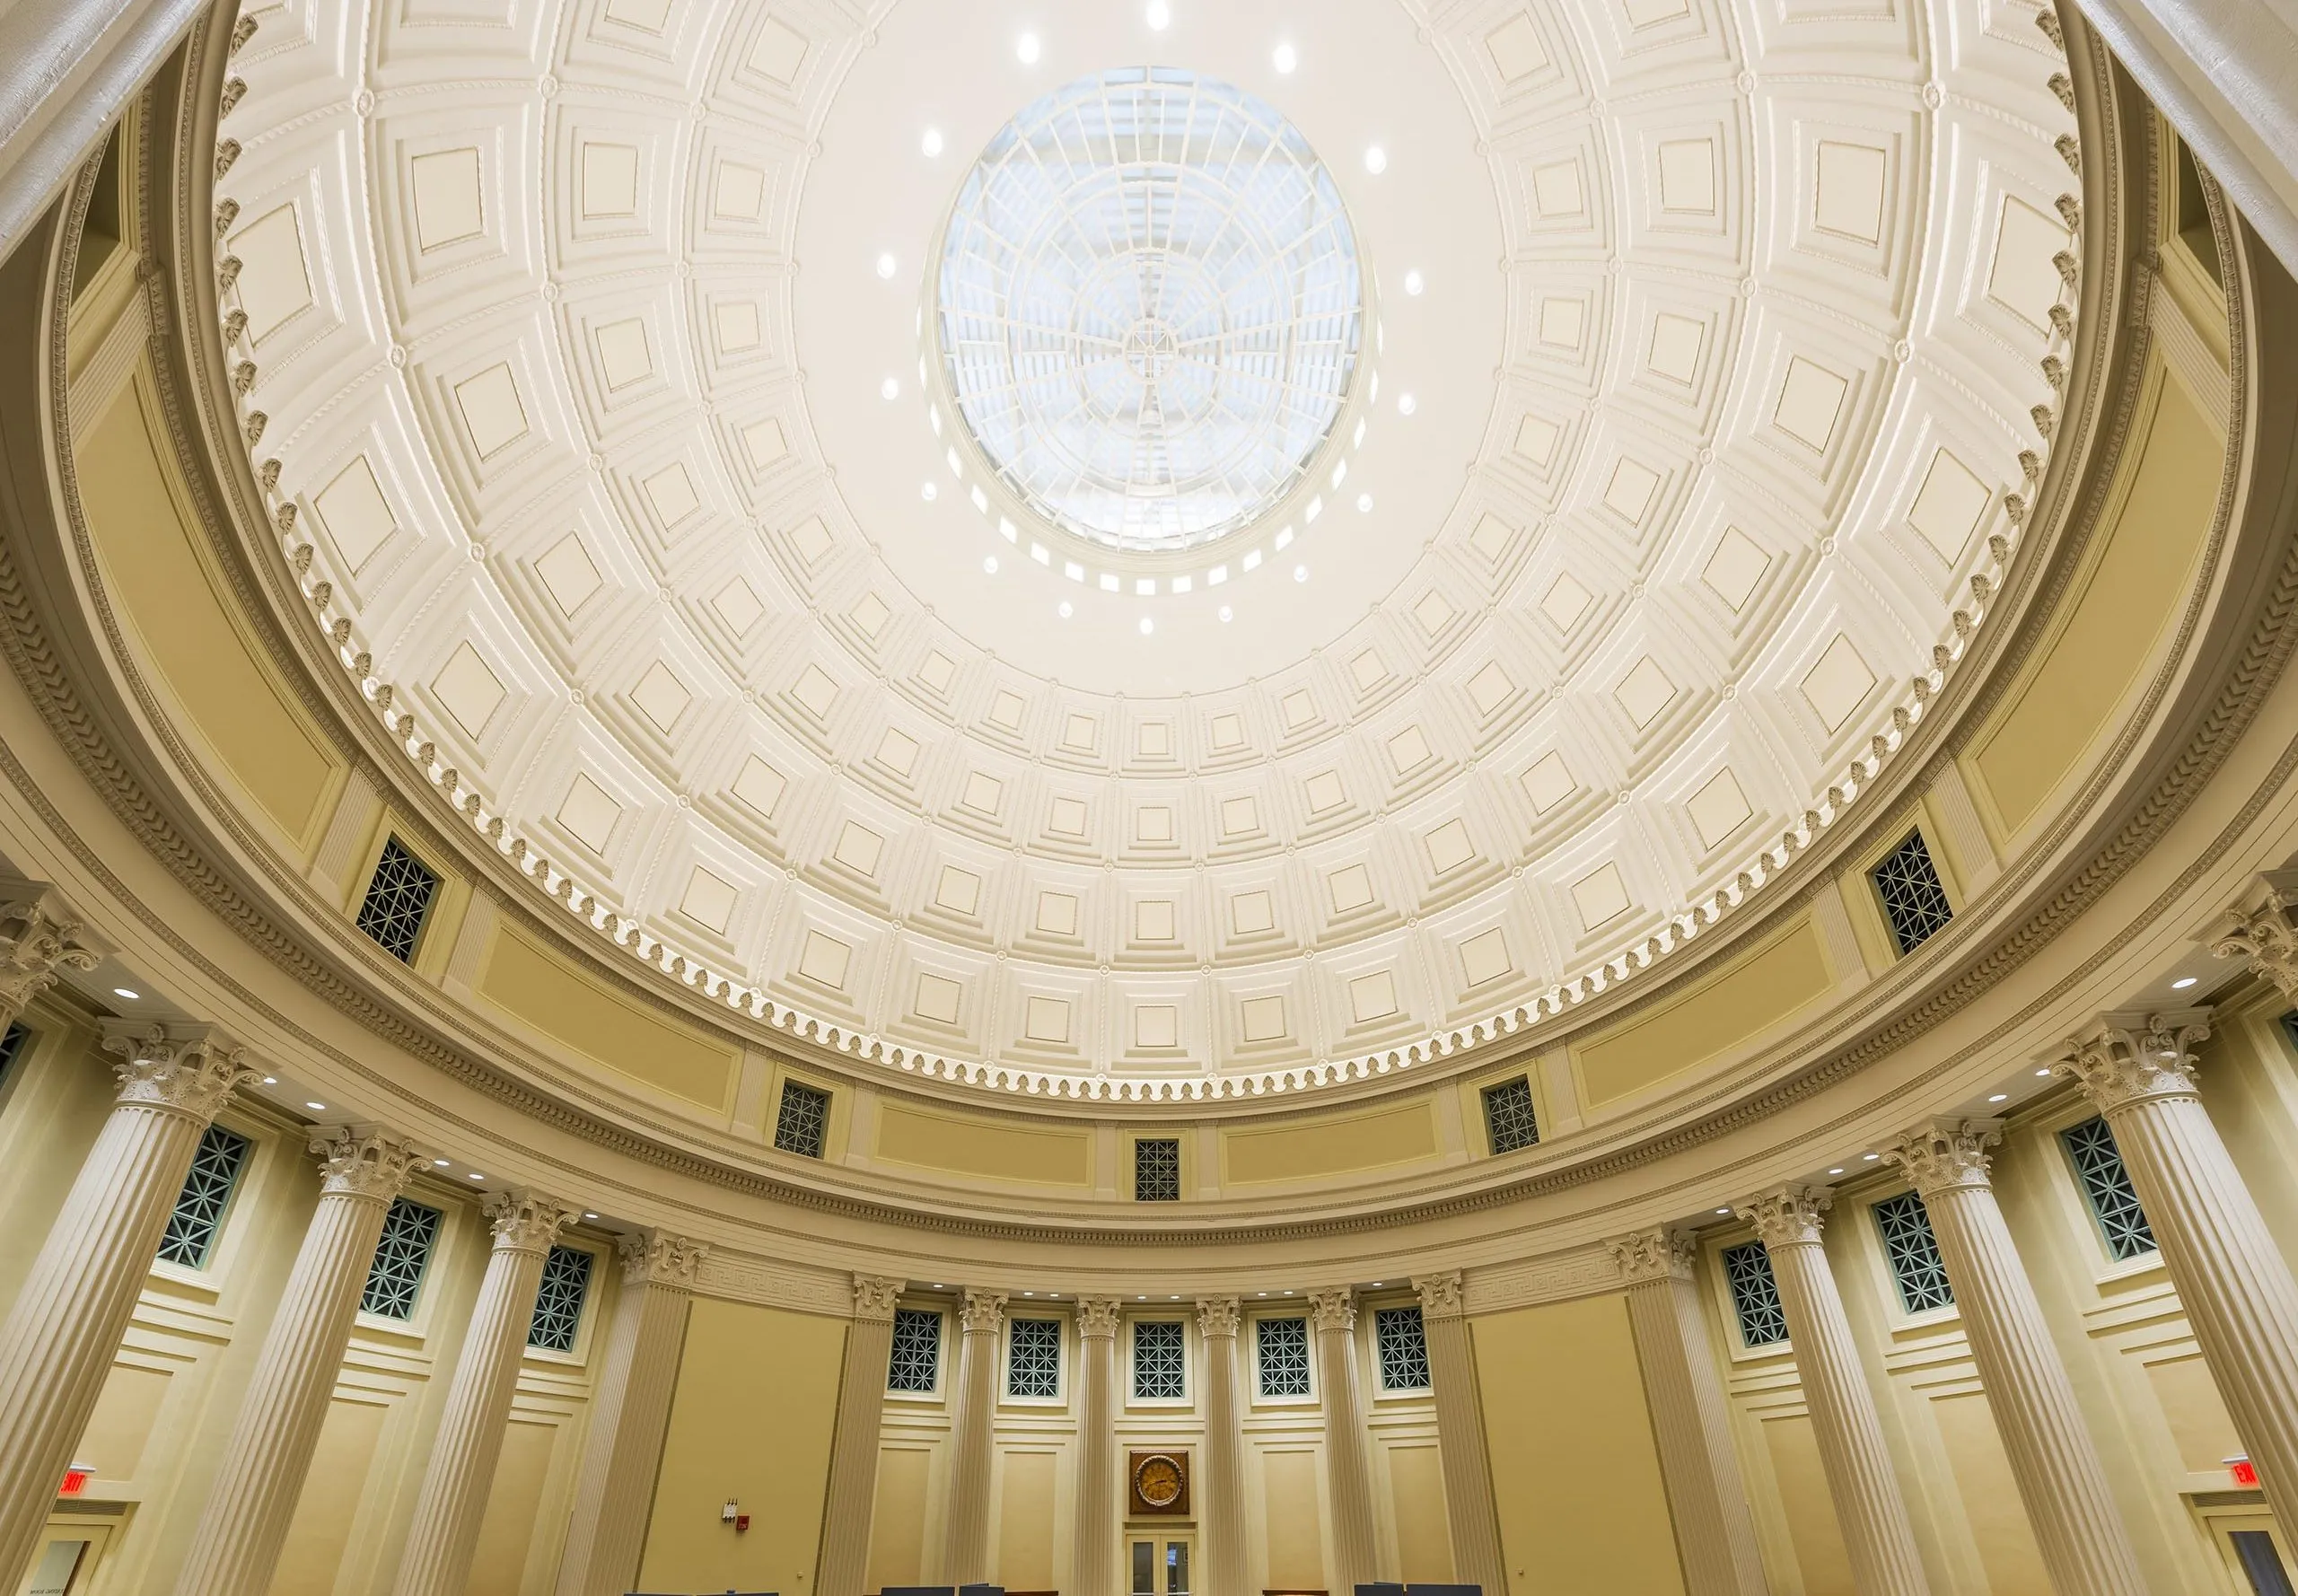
(1158,1480)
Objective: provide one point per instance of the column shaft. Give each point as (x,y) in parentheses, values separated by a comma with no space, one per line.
(1348,1478)
(1715,1535)
(235,1549)
(1460,1436)
(1220,1477)
(853,1453)
(1098,1507)
(58,1342)
(973,1442)
(623,1450)
(444,1533)
(1868,1507)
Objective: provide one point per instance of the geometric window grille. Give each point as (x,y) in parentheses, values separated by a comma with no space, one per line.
(12,1047)
(1914,900)
(1401,1339)
(803,1118)
(1159,1366)
(1157,1170)
(1033,1357)
(1755,1295)
(1508,1116)
(1282,1361)
(207,1192)
(409,1229)
(1913,1253)
(558,1301)
(398,896)
(2106,1184)
(917,1365)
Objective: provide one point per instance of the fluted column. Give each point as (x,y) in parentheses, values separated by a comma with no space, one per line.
(2077,1526)
(445,1534)
(1098,1507)
(58,1342)
(973,1441)
(38,937)
(1715,1535)
(1868,1507)
(1221,1475)
(2138,1071)
(623,1450)
(853,1453)
(1460,1436)
(1348,1476)
(236,1546)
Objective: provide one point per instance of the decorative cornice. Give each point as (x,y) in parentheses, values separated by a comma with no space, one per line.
(983,1313)
(1335,1311)
(186,1069)
(1097,1318)
(526,1221)
(1946,1153)
(1440,1295)
(875,1297)
(667,1262)
(1217,1317)
(365,1161)
(2260,929)
(2124,1059)
(1788,1215)
(1650,1258)
(40,938)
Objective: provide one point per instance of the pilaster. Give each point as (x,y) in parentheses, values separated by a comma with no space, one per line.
(1461,1447)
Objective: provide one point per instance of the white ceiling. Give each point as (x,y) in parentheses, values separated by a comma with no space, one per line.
(570,343)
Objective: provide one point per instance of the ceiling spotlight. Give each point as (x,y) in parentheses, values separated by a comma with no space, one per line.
(271,1080)
(891,389)
(132,996)
(1364,503)
(1413,283)
(590,1216)
(888,266)
(475,1175)
(1029,48)
(2180,985)
(1868,1157)
(990,565)
(1286,57)
(1161,16)
(1147,626)
(1406,404)
(931,145)
(1835,1172)
(2044,1071)
(1067,610)
(1228,614)
(1376,161)
(317,1108)
(1722,1210)
(2000,1097)
(1300,573)
(439,1164)
(928,492)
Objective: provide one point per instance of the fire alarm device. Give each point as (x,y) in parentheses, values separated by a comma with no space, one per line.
(742,1522)
(730,1511)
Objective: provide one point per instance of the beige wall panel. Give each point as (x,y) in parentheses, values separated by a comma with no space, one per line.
(1812,1528)
(321,1528)
(1295,1535)
(963,1145)
(1397,1135)
(1575,1470)
(2133,588)
(1424,1535)
(52,1104)
(1745,998)
(756,1404)
(1025,1523)
(526,982)
(1990,1496)
(898,1527)
(506,1535)
(120,1428)
(142,534)
(2196,1413)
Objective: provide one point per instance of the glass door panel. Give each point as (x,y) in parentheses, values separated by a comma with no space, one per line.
(1161,1565)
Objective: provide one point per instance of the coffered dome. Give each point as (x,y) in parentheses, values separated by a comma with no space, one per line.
(1024,620)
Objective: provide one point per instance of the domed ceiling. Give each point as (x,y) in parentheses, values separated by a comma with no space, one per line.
(1054,574)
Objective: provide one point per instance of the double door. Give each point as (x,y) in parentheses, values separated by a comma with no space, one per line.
(1161,1563)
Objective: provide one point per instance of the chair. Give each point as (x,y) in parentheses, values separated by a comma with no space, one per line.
(920,1590)
(1444,1590)
(1382,1588)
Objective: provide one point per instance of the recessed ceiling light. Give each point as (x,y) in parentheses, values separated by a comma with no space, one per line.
(439,1164)
(475,1175)
(1300,573)
(2180,985)
(124,992)
(590,1216)
(2044,1071)
(1868,1157)
(1376,161)
(928,492)
(1364,503)
(317,1108)
(1722,1210)
(1413,283)
(2000,1097)
(1161,15)
(1286,57)
(931,145)
(271,1080)
(1147,626)
(989,564)
(1028,1293)
(1172,1299)
(1406,404)
(1067,610)
(1835,1172)
(1029,48)
(1228,615)
(888,266)
(891,389)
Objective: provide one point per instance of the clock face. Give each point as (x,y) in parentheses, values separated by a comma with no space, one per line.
(1158,1480)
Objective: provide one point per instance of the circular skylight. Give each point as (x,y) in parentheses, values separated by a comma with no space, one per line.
(1150,307)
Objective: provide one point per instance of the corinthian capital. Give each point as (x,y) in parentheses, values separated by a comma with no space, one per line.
(2127,1058)
(2259,929)
(983,1312)
(1334,1309)
(651,1258)
(1097,1316)
(1654,1255)
(39,937)
(364,1162)
(1788,1215)
(1216,1315)
(874,1297)
(526,1221)
(1946,1153)
(189,1069)
(1440,1295)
